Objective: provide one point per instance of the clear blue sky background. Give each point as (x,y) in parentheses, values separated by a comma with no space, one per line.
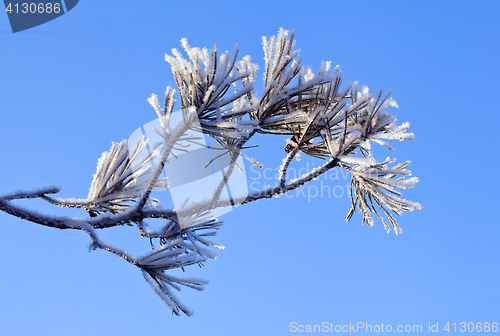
(70,87)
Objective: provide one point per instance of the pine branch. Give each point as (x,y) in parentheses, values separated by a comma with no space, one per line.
(218,100)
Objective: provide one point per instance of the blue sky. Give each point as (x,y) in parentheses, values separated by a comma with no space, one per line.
(72,86)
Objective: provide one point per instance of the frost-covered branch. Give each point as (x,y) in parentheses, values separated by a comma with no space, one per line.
(321,118)
(373,186)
